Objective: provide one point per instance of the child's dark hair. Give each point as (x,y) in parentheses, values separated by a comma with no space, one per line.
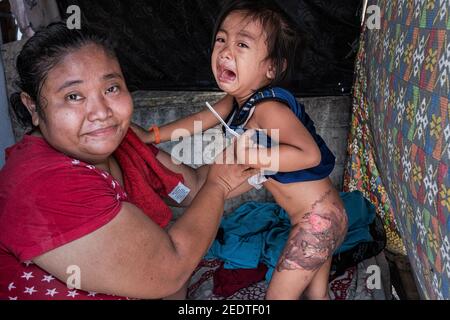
(42,52)
(282,37)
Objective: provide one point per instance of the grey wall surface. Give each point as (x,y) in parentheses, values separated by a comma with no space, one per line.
(331,116)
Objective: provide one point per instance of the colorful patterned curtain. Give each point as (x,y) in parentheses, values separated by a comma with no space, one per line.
(399,141)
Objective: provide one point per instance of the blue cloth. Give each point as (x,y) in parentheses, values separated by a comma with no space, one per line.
(257,232)
(361,213)
(6,132)
(238,118)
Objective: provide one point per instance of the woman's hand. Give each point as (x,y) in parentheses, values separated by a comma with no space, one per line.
(255,155)
(227,172)
(144,135)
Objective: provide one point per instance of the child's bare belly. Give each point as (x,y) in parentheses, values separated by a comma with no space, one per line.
(299,198)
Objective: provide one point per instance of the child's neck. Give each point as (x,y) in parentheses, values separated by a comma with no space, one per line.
(241,100)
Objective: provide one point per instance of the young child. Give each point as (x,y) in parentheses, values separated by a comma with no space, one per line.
(253,49)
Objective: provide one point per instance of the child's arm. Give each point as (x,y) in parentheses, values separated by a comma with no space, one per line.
(208,120)
(296,150)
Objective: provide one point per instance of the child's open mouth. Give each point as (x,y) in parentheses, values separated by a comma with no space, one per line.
(226,75)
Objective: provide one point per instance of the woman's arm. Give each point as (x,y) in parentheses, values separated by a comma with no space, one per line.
(296,147)
(193,179)
(132,256)
(185,126)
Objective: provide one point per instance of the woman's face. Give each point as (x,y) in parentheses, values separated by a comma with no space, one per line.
(86,105)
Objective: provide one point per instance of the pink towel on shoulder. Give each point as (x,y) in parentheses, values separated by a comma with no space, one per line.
(146,180)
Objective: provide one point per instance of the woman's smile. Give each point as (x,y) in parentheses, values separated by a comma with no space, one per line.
(103,131)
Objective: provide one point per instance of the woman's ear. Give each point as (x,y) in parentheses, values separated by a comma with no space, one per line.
(31,107)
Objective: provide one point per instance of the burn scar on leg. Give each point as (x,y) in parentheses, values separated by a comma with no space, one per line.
(314,238)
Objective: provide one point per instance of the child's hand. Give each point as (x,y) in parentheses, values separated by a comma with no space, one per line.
(254,154)
(247,148)
(243,144)
(144,135)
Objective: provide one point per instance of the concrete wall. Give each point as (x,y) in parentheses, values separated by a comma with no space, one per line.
(331,116)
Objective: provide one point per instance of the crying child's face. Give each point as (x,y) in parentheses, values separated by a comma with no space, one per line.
(239,59)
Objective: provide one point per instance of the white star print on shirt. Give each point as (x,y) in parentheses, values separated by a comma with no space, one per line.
(11,286)
(51,292)
(92,294)
(12,298)
(27,263)
(27,275)
(30,291)
(48,278)
(72,293)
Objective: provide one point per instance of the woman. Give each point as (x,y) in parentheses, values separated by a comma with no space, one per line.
(64,214)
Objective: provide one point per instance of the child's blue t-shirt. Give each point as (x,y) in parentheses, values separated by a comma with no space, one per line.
(239,117)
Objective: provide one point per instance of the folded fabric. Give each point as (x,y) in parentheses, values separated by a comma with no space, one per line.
(257,232)
(361,213)
(146,180)
(228,281)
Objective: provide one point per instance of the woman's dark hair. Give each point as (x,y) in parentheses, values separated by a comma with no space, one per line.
(282,37)
(42,52)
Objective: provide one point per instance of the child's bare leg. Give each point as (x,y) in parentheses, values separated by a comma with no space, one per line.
(310,246)
(288,284)
(318,288)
